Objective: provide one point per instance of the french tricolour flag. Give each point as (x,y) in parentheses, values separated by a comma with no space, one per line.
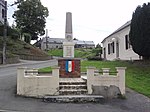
(69,66)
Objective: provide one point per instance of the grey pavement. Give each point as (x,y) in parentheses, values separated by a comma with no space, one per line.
(25,62)
(10,102)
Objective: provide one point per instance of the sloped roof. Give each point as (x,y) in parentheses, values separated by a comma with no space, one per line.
(89,42)
(82,42)
(61,40)
(54,40)
(119,29)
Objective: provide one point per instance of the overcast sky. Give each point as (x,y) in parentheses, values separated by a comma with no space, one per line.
(92,19)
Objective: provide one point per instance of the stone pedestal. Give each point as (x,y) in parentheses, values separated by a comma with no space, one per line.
(69,67)
(68,49)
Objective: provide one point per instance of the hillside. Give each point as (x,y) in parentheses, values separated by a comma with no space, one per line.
(23,50)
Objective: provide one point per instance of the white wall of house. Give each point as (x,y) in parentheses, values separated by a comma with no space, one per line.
(120,52)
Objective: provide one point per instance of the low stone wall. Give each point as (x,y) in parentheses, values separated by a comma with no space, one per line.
(105,79)
(29,83)
(32,57)
(10,60)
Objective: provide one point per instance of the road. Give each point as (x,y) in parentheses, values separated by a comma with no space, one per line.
(10,102)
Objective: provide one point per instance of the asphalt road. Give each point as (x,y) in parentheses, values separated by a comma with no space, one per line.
(10,102)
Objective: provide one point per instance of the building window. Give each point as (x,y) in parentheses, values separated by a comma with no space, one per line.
(108,48)
(3,13)
(111,48)
(127,42)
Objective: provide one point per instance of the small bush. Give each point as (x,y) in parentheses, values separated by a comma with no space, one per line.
(95,58)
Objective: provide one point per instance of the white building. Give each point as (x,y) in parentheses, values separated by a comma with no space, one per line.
(2,11)
(117,46)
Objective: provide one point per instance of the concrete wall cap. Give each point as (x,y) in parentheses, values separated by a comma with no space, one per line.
(90,67)
(105,68)
(121,68)
(55,67)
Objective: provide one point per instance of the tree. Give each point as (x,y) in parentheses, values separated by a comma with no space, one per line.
(98,50)
(27,37)
(31,17)
(98,46)
(15,34)
(140,31)
(75,39)
(11,31)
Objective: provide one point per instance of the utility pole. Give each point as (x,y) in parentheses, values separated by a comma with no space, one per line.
(5,33)
(46,39)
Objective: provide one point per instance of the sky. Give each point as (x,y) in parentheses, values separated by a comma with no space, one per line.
(93,20)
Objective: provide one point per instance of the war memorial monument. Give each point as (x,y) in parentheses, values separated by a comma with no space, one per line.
(66,80)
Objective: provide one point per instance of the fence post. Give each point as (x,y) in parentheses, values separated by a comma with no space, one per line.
(35,71)
(121,75)
(55,75)
(20,80)
(55,72)
(105,71)
(90,78)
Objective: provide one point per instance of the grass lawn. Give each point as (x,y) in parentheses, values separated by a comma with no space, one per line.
(47,69)
(56,52)
(137,74)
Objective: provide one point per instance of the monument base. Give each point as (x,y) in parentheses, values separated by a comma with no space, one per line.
(69,67)
(68,49)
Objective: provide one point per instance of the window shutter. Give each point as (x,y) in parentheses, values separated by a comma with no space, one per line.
(126,42)
(108,48)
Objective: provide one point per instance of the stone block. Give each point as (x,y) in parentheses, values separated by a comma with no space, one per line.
(106,91)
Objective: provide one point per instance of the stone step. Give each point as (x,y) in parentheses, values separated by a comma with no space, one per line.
(72,91)
(75,81)
(72,83)
(73,87)
(74,99)
(71,79)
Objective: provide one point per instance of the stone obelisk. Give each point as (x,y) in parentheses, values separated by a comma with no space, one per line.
(68,45)
(68,30)
(69,66)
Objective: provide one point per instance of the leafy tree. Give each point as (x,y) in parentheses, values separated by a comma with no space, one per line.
(98,46)
(75,39)
(15,34)
(97,50)
(140,31)
(31,17)
(2,30)
(11,32)
(27,37)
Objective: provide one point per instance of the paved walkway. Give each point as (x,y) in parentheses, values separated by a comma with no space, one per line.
(134,102)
